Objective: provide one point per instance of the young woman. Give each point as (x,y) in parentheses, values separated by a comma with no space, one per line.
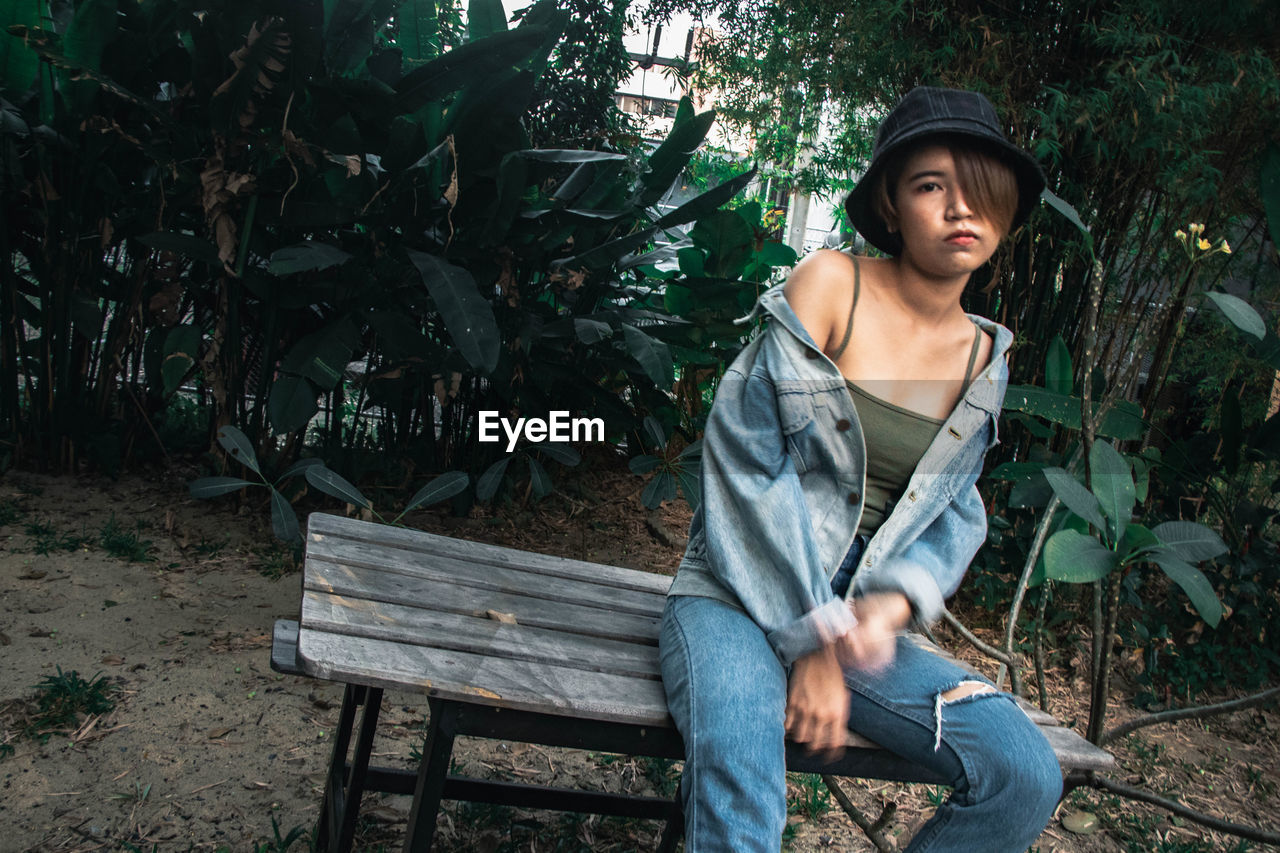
(839,503)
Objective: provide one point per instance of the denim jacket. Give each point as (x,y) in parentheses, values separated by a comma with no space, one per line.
(783,477)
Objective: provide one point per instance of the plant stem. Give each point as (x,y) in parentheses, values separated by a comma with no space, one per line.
(1250,832)
(1198,712)
(1042,689)
(1102,682)
(1037,544)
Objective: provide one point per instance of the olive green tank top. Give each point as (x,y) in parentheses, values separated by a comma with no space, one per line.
(896,438)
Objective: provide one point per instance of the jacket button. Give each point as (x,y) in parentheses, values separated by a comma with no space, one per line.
(809,353)
(843,424)
(911,496)
(853,497)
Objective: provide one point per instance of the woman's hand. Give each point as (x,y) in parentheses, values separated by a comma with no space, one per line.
(818,703)
(870,645)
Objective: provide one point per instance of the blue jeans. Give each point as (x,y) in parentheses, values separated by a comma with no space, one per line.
(727,692)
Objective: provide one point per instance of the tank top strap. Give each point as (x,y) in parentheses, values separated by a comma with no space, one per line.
(973,356)
(848,330)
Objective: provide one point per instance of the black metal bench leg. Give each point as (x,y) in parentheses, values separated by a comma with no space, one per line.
(344,784)
(427,793)
(673,831)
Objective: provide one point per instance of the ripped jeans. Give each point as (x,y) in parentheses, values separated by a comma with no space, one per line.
(727,692)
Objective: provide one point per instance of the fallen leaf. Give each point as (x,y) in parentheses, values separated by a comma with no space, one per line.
(32,575)
(504,618)
(220,732)
(112,660)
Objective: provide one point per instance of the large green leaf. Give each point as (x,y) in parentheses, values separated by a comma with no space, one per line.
(1076,557)
(181,346)
(539,480)
(1112,481)
(661,488)
(304,256)
(18,64)
(565,454)
(467,315)
(485,18)
(652,354)
(1269,189)
(1069,213)
(727,238)
(1240,313)
(1057,367)
(467,63)
(1122,422)
(92,29)
(707,202)
(439,489)
(322,356)
(1193,583)
(1075,496)
(491,479)
(212,487)
(291,404)
(567,155)
(332,483)
(238,446)
(418,35)
(1192,542)
(669,159)
(284,521)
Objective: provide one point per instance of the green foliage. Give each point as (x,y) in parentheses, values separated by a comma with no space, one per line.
(46,539)
(62,697)
(355,239)
(811,798)
(124,544)
(669,468)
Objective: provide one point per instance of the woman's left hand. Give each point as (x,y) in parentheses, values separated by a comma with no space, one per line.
(871,644)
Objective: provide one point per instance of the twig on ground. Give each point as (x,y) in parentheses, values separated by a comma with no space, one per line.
(987,649)
(873,830)
(1251,833)
(1196,712)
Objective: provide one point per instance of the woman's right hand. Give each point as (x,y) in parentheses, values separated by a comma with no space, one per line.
(818,703)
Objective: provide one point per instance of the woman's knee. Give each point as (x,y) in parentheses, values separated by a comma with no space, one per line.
(1020,767)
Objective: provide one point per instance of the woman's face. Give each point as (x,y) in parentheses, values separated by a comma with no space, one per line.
(941,234)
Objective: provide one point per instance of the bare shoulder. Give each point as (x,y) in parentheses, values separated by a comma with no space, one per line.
(820,291)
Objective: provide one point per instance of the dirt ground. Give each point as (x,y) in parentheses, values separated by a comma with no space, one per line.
(206,747)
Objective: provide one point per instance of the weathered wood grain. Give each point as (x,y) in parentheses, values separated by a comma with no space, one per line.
(374,584)
(322,524)
(451,570)
(477,634)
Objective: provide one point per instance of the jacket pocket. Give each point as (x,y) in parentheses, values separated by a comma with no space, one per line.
(795,416)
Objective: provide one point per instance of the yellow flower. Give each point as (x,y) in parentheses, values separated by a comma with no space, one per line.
(1180,235)
(1197,227)
(1225,248)
(1202,245)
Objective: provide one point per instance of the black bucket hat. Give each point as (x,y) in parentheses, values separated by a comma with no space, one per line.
(925,112)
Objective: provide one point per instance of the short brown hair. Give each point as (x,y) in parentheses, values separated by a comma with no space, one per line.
(990,187)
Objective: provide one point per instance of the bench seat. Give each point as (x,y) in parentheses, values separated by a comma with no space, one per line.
(512,645)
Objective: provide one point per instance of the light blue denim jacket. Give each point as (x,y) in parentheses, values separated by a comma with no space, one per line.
(783,475)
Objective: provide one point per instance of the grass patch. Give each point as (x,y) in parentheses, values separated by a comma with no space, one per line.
(56,708)
(124,544)
(10,512)
(46,539)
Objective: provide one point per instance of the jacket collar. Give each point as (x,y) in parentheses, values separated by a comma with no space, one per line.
(775,304)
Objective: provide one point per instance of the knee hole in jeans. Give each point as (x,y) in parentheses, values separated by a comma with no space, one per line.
(967,688)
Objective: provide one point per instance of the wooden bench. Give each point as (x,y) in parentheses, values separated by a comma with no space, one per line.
(510,645)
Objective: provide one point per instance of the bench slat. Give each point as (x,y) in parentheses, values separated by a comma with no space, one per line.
(377,585)
(447,569)
(467,677)
(320,523)
(481,635)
